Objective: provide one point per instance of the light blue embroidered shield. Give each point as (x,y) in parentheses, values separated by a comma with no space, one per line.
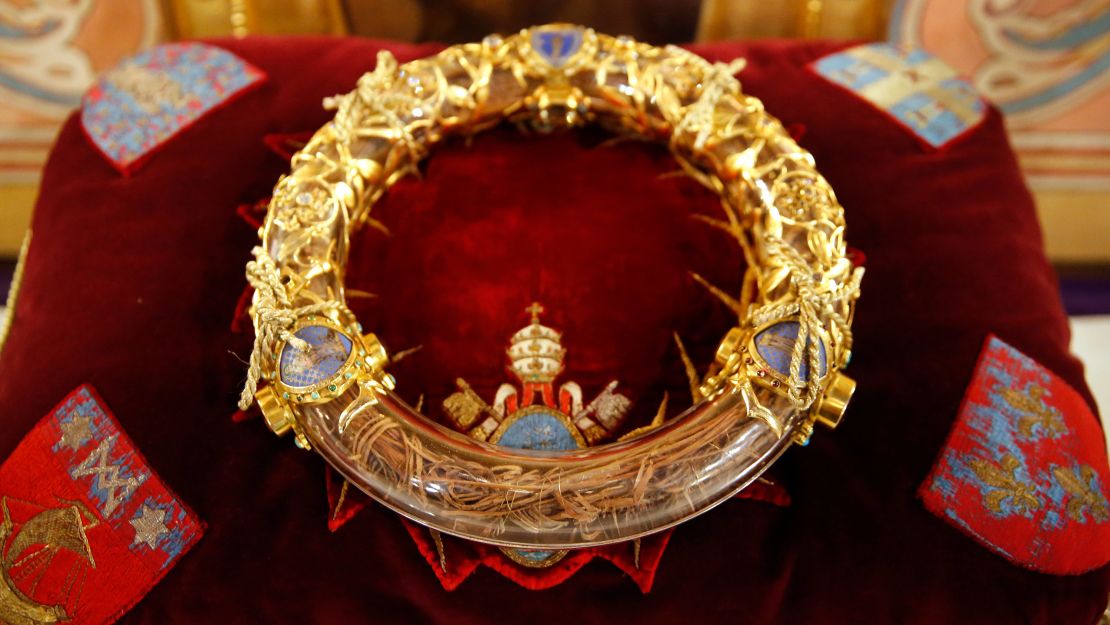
(920,91)
(556,45)
(149,98)
(775,346)
(327,352)
(538,429)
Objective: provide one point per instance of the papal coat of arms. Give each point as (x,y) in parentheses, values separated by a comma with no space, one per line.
(536,414)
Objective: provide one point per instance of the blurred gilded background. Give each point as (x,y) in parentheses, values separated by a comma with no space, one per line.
(1043,62)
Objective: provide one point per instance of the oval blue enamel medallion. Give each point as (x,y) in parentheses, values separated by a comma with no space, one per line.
(556,45)
(328,351)
(775,345)
(542,429)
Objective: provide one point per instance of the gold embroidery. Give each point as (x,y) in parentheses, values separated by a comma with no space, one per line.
(1004,479)
(76,431)
(465,406)
(150,526)
(1037,411)
(52,529)
(536,359)
(1083,495)
(609,407)
(106,474)
(150,89)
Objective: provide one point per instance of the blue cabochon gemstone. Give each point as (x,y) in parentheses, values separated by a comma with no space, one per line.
(328,351)
(538,430)
(775,345)
(557,45)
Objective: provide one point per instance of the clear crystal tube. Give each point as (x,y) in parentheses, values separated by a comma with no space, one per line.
(585,497)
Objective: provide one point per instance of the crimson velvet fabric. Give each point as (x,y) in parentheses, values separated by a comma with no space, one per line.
(131,283)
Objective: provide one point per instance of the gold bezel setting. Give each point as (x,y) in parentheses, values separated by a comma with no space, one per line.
(763,372)
(331,386)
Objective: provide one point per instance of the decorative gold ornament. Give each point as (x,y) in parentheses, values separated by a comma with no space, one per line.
(538,415)
(776,373)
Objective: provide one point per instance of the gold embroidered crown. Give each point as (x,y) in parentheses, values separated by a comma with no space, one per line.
(535,353)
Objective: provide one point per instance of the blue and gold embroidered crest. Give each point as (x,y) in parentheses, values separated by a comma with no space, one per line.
(534,415)
(920,91)
(149,98)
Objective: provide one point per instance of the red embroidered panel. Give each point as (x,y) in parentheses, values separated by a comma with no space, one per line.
(88,528)
(453,560)
(1025,471)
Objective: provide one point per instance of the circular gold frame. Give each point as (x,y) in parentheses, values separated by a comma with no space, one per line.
(778,208)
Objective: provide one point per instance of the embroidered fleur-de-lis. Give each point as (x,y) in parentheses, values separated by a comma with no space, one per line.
(1036,411)
(1081,485)
(1004,484)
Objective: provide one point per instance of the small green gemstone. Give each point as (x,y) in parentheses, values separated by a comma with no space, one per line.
(331,387)
(300,397)
(315,395)
(348,375)
(285,395)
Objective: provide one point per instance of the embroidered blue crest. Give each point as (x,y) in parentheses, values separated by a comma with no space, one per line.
(920,91)
(537,417)
(147,99)
(539,428)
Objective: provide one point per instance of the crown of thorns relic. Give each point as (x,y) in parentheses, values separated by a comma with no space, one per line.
(776,373)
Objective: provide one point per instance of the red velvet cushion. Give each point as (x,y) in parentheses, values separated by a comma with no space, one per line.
(131,283)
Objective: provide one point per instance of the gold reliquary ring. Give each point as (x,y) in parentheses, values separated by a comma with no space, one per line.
(314,371)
